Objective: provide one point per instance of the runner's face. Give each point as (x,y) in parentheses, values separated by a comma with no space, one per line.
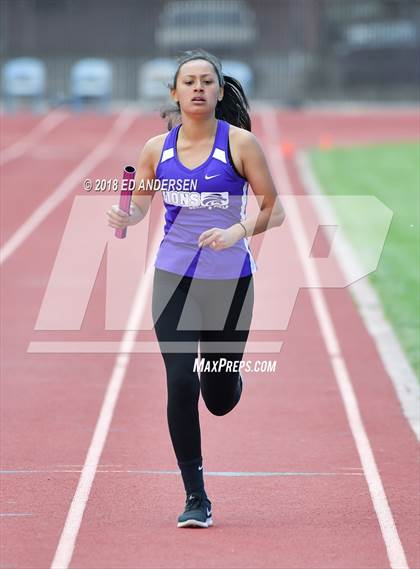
(197,87)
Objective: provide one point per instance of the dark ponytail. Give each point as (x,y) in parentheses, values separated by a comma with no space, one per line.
(234,106)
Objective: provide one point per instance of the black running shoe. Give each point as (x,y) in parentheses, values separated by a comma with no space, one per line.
(197,512)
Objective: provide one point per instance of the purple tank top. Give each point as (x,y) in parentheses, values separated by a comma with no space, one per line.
(197,199)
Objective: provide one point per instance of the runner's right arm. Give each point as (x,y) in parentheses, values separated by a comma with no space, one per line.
(141,197)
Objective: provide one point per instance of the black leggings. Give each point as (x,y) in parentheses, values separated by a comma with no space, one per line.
(216,313)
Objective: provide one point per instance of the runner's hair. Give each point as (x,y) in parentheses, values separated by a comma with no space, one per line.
(234,106)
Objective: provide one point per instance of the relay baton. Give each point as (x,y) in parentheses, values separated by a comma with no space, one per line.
(125,197)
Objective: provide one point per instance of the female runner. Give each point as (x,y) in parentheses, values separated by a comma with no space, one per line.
(203,280)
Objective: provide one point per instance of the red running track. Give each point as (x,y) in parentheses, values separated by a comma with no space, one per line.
(314,511)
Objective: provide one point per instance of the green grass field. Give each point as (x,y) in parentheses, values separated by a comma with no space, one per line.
(391,173)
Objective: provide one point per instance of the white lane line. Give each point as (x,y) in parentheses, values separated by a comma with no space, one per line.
(113,347)
(80,465)
(245,474)
(33,137)
(69,534)
(386,521)
(68,184)
(389,348)
(177,472)
(13,515)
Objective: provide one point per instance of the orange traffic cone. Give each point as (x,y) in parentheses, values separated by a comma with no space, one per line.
(288,149)
(325,141)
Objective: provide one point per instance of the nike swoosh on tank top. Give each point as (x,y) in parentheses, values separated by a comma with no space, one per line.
(196,199)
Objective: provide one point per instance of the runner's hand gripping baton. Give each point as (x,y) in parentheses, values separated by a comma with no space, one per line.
(125,197)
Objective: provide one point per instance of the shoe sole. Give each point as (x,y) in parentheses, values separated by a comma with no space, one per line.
(195,524)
